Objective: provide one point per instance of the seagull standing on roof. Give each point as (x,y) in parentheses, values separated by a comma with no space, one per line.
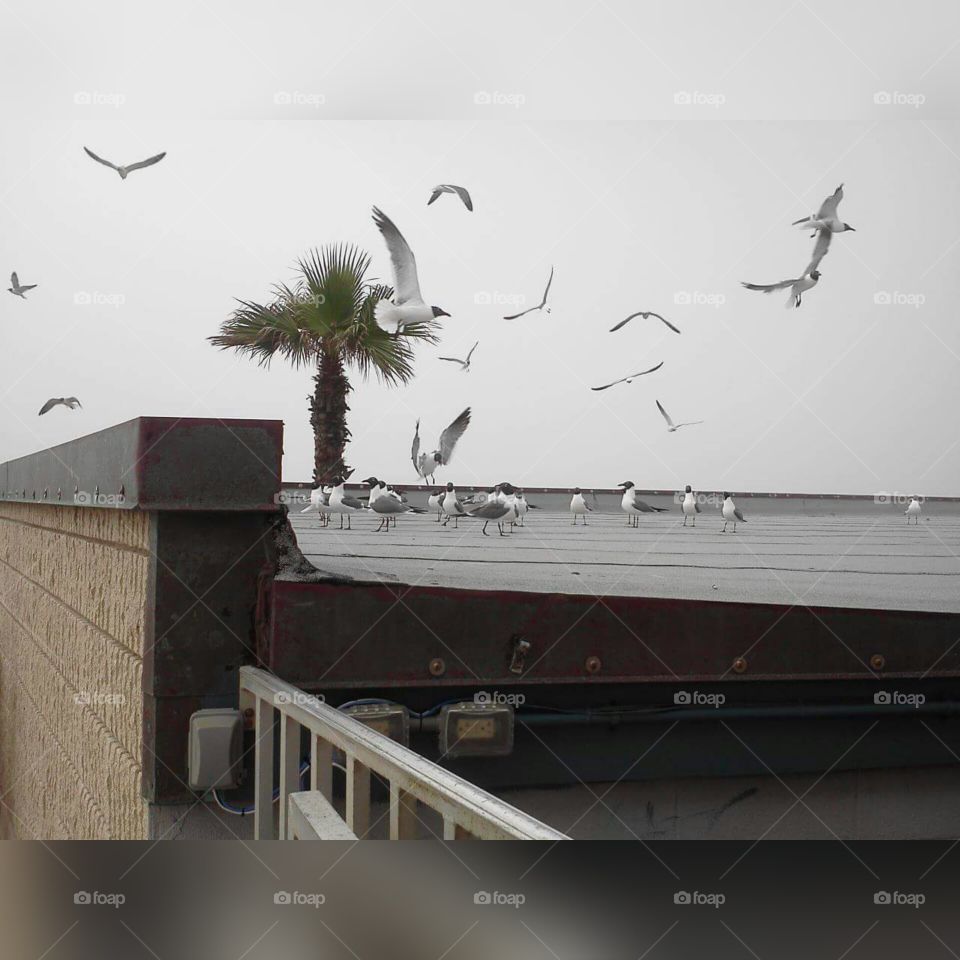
(320,502)
(342,504)
(633,507)
(671,426)
(461,192)
(125,171)
(435,502)
(17,288)
(522,507)
(542,305)
(731,513)
(452,507)
(492,510)
(579,506)
(690,506)
(464,364)
(427,464)
(407,306)
(913,510)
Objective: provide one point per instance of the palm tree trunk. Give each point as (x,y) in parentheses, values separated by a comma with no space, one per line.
(328,417)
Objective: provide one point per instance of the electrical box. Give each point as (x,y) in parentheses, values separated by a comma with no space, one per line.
(215,749)
(471,729)
(390,719)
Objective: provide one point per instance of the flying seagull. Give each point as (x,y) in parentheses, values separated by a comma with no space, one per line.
(646,314)
(542,305)
(671,426)
(19,289)
(71,402)
(826,217)
(797,287)
(629,379)
(130,167)
(731,513)
(407,306)
(464,364)
(461,192)
(426,464)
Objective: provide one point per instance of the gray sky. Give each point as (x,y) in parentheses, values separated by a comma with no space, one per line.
(583,158)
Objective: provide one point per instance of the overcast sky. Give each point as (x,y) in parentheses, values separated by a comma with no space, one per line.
(285,122)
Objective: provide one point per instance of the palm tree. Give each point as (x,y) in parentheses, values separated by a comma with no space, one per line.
(326,320)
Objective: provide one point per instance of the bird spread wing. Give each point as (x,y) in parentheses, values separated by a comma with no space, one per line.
(770,287)
(14,282)
(140,164)
(828,209)
(49,405)
(465,197)
(415,449)
(474,347)
(451,359)
(546,292)
(643,373)
(406,284)
(93,156)
(820,248)
(666,416)
(689,423)
(450,436)
(72,402)
(523,313)
(28,286)
(436,193)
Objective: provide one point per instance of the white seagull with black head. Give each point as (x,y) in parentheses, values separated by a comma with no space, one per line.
(674,427)
(427,464)
(797,287)
(464,364)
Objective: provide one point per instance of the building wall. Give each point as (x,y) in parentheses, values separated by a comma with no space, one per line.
(74,595)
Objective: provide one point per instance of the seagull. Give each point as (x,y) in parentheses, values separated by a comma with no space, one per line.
(542,305)
(629,379)
(646,314)
(461,192)
(579,507)
(18,289)
(495,511)
(731,513)
(71,402)
(797,287)
(464,364)
(426,464)
(342,504)
(826,217)
(913,510)
(389,507)
(633,507)
(674,427)
(522,507)
(690,506)
(407,306)
(320,501)
(130,167)
(435,502)
(452,507)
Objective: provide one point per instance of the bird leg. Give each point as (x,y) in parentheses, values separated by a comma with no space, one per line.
(500,528)
(349,522)
(341,521)
(724,530)
(484,530)
(684,519)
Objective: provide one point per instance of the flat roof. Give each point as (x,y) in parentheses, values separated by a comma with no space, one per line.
(862,559)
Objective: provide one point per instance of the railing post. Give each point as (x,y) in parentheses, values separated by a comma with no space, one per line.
(358,796)
(449,828)
(263,771)
(321,766)
(403,817)
(289,766)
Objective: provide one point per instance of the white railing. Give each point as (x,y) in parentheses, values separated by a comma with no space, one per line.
(466,810)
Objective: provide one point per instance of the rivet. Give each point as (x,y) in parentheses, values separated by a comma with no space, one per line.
(593,664)
(437,667)
(878,661)
(740,665)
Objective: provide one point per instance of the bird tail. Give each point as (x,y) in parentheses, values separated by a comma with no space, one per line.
(660,509)
(385,315)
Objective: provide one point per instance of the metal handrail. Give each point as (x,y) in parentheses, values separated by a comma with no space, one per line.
(466,809)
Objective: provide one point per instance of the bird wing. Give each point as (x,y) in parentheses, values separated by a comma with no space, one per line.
(71,401)
(140,164)
(663,320)
(14,282)
(474,347)
(820,248)
(436,193)
(464,196)
(689,423)
(770,287)
(106,163)
(828,209)
(352,502)
(415,449)
(389,505)
(738,514)
(623,323)
(450,436)
(546,292)
(451,359)
(406,284)
(28,286)
(49,405)
(607,386)
(523,313)
(696,506)
(643,373)
(666,416)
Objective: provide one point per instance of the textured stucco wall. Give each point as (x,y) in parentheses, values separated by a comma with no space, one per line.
(73,599)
